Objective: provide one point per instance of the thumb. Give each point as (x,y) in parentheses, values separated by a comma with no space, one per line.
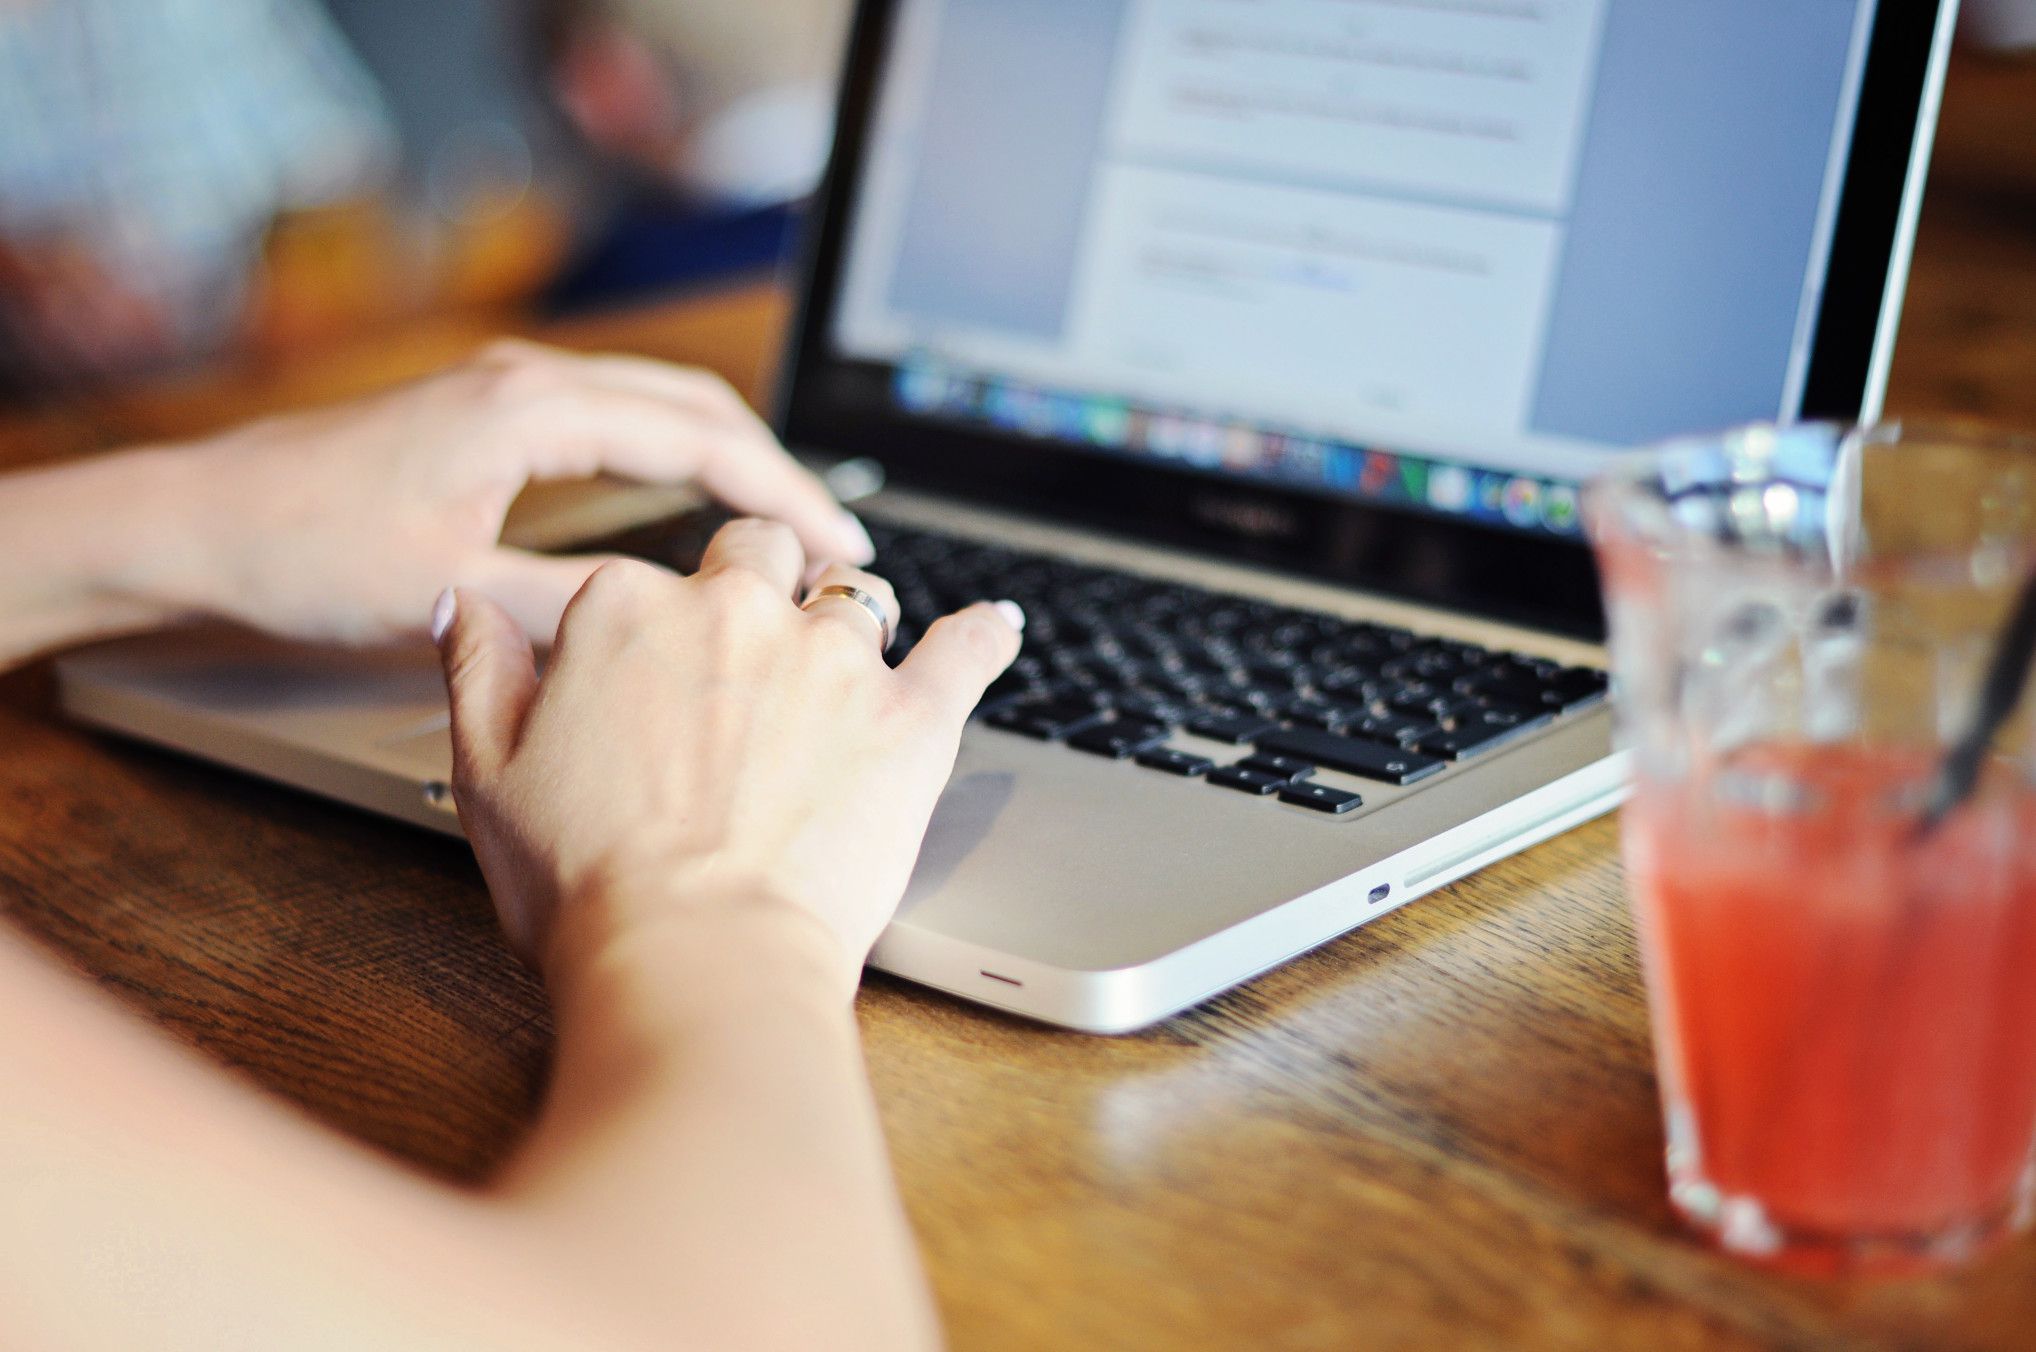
(963,652)
(490,680)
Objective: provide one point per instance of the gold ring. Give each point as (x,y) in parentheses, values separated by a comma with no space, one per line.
(870,604)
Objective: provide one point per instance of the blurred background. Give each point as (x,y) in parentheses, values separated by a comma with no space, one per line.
(185,182)
(194,184)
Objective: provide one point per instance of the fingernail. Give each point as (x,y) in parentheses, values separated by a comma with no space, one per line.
(856,539)
(442,611)
(1013,613)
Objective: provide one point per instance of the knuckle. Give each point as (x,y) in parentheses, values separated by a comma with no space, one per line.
(511,371)
(759,530)
(712,386)
(622,584)
(743,589)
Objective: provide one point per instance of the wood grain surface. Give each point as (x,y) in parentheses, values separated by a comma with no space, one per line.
(1437,1132)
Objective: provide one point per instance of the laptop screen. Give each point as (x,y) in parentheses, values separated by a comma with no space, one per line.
(1438,255)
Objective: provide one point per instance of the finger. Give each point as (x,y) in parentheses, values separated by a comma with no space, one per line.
(490,680)
(584,424)
(768,548)
(688,385)
(962,653)
(758,476)
(843,610)
(534,588)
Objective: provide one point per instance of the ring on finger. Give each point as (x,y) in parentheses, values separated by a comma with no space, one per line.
(870,604)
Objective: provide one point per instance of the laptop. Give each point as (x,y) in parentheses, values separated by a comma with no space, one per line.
(1259,351)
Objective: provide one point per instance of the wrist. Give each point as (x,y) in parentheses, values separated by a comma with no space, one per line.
(667,949)
(98,548)
(161,550)
(184,553)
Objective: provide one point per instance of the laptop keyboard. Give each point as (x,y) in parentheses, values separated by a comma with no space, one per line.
(1119,665)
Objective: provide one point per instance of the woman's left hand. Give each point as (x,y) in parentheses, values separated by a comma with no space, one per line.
(346,524)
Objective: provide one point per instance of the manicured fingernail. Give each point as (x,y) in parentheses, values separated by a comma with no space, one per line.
(855,539)
(442,611)
(1013,613)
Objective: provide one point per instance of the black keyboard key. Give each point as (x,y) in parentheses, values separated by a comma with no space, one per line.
(1560,691)
(1062,692)
(1261,701)
(1152,708)
(1047,722)
(1357,684)
(1451,707)
(1120,740)
(1109,677)
(1501,720)
(1006,686)
(1387,638)
(1247,781)
(1296,706)
(1413,696)
(1429,704)
(1391,727)
(1541,667)
(1185,684)
(1353,755)
(1206,708)
(1287,767)
(1184,763)
(1278,672)
(1578,688)
(1328,717)
(1010,717)
(1502,682)
(1321,797)
(1485,731)
(1236,729)
(1160,654)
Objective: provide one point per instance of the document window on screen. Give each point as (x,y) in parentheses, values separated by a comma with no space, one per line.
(1443,253)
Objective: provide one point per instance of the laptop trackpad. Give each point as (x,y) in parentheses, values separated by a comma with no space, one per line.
(425,753)
(967,811)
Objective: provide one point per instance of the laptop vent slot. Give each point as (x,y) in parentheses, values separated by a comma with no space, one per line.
(1443,867)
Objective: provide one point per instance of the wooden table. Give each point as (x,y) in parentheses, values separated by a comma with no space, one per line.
(1437,1132)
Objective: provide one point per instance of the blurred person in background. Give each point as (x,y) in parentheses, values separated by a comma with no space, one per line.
(146,147)
(192,179)
(718,116)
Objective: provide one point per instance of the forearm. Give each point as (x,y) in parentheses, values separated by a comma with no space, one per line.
(94,548)
(708,1173)
(710,1157)
(148,1200)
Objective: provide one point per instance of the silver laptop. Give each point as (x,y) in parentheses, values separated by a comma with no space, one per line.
(1259,350)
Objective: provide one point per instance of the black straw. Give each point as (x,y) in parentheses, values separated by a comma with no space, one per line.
(2007,675)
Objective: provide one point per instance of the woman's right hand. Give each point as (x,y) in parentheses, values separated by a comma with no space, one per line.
(702,748)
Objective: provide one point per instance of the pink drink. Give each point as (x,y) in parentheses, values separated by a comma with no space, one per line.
(1845,1011)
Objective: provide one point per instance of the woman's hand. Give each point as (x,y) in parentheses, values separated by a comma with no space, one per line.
(703,749)
(697,821)
(344,524)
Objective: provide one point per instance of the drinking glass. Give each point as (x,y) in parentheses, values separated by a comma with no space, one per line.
(1843,993)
